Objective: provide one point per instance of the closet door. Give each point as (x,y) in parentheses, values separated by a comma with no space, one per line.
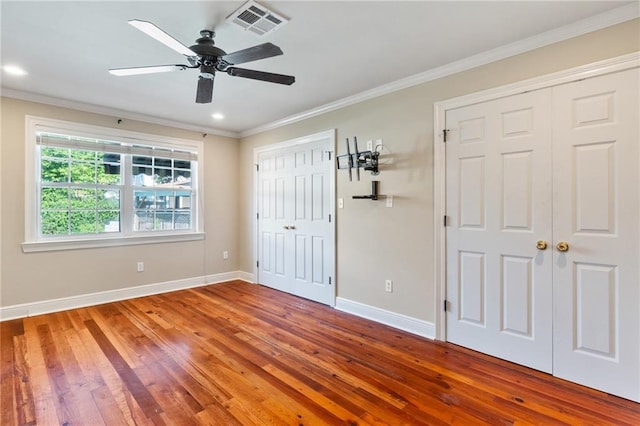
(596,213)
(295,230)
(499,284)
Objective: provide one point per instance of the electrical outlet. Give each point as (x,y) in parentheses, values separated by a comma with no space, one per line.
(225,255)
(378,146)
(388,286)
(369,145)
(341,203)
(389,200)
(140,266)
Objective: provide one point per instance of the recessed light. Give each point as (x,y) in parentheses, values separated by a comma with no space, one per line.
(217,116)
(14,70)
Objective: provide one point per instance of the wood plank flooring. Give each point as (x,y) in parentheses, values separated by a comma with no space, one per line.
(242,354)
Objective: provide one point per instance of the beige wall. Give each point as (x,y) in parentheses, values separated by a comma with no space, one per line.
(375,243)
(49,275)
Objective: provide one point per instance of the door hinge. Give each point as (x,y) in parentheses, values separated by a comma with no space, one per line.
(444,306)
(257,216)
(329,280)
(257,264)
(329,152)
(444,220)
(329,217)
(445,132)
(257,167)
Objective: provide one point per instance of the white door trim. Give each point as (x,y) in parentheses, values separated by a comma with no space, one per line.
(607,66)
(327,134)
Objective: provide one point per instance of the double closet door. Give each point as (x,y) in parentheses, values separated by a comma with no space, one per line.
(543,236)
(295,230)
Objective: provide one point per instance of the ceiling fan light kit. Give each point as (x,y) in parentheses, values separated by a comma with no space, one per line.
(209,58)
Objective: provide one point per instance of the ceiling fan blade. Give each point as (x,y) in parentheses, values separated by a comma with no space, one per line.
(152,30)
(261,51)
(146,70)
(261,75)
(205,90)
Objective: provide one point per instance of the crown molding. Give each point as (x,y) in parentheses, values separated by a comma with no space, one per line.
(594,23)
(80,106)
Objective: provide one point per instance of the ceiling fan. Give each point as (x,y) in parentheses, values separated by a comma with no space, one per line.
(209,59)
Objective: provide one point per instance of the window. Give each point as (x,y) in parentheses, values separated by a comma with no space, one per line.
(98,186)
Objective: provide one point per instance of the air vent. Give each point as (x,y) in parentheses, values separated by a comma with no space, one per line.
(256,18)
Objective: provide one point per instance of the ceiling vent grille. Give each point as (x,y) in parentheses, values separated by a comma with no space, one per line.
(256,18)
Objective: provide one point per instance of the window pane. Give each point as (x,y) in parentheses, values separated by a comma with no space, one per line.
(109,221)
(164,220)
(182,220)
(183,200)
(143,220)
(144,161)
(83,222)
(54,171)
(164,199)
(50,152)
(182,164)
(88,156)
(108,199)
(182,178)
(109,173)
(143,199)
(54,199)
(163,162)
(55,222)
(83,199)
(142,176)
(83,172)
(163,177)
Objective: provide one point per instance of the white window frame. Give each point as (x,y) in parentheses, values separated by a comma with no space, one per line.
(34,242)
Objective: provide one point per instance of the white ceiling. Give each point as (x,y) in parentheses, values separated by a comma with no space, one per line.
(335,49)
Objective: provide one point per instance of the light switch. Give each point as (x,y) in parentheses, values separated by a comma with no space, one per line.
(378,144)
(341,203)
(369,145)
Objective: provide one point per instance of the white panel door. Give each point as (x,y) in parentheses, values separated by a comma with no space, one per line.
(596,211)
(499,284)
(274,180)
(295,229)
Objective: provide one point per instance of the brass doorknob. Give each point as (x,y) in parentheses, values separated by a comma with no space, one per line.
(562,246)
(541,245)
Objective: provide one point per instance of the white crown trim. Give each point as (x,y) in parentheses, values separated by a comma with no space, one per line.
(66,103)
(594,23)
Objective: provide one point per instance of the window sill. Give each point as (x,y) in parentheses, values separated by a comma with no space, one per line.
(40,246)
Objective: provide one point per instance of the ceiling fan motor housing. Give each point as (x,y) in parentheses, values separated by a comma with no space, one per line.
(205,46)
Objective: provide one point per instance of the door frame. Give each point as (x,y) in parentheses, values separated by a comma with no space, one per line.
(327,134)
(440,109)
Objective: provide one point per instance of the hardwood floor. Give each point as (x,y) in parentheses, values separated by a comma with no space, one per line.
(238,353)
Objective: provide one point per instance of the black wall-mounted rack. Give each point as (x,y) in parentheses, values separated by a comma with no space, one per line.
(375,185)
(367,160)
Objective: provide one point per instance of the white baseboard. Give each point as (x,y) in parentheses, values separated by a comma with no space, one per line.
(83,300)
(392,319)
(246,276)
